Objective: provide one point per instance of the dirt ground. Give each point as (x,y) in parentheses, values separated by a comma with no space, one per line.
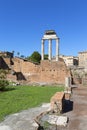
(78,110)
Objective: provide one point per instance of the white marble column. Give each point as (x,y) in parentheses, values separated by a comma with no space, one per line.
(50,49)
(42,49)
(57,49)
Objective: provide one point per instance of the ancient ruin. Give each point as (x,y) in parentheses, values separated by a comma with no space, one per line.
(47,72)
(50,35)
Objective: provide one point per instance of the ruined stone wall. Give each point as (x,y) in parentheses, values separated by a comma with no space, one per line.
(47,71)
(7,61)
(11,77)
(54,72)
(17,64)
(29,70)
(4,63)
(24,66)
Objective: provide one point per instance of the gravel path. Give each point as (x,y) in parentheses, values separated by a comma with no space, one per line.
(23,120)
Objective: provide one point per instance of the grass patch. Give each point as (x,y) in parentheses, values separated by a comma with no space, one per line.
(23,97)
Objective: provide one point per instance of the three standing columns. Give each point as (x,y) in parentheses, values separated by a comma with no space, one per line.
(50,49)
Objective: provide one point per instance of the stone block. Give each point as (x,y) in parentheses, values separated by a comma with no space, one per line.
(57,102)
(5,127)
(67,95)
(58,120)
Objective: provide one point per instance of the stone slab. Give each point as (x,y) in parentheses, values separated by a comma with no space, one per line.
(5,127)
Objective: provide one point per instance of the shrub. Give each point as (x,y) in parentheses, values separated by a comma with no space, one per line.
(3,74)
(3,84)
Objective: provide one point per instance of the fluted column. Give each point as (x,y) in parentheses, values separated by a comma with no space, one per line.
(57,49)
(50,49)
(42,49)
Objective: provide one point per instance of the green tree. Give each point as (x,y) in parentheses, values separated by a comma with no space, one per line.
(18,54)
(35,57)
(22,56)
(46,56)
(3,82)
(3,74)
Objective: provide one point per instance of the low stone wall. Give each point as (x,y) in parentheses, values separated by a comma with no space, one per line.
(67,92)
(57,102)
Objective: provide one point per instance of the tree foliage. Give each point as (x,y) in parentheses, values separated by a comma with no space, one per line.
(3,82)
(3,74)
(35,57)
(46,56)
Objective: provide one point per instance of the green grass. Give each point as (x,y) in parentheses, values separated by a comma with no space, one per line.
(23,97)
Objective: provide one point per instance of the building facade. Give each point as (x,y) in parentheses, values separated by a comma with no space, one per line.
(83,59)
(70,60)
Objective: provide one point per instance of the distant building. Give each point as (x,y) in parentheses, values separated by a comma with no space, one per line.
(6,54)
(70,60)
(83,59)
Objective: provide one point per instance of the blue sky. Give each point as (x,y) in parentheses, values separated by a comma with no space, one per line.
(23,23)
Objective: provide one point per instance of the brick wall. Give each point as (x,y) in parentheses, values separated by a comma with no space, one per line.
(54,72)
(47,71)
(57,102)
(4,63)
(11,77)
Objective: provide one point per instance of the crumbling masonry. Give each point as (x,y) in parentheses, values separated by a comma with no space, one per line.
(47,71)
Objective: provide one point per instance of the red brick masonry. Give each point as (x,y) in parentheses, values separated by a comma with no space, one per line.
(57,102)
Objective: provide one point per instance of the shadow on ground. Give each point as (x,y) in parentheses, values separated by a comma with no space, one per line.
(7,89)
(68,106)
